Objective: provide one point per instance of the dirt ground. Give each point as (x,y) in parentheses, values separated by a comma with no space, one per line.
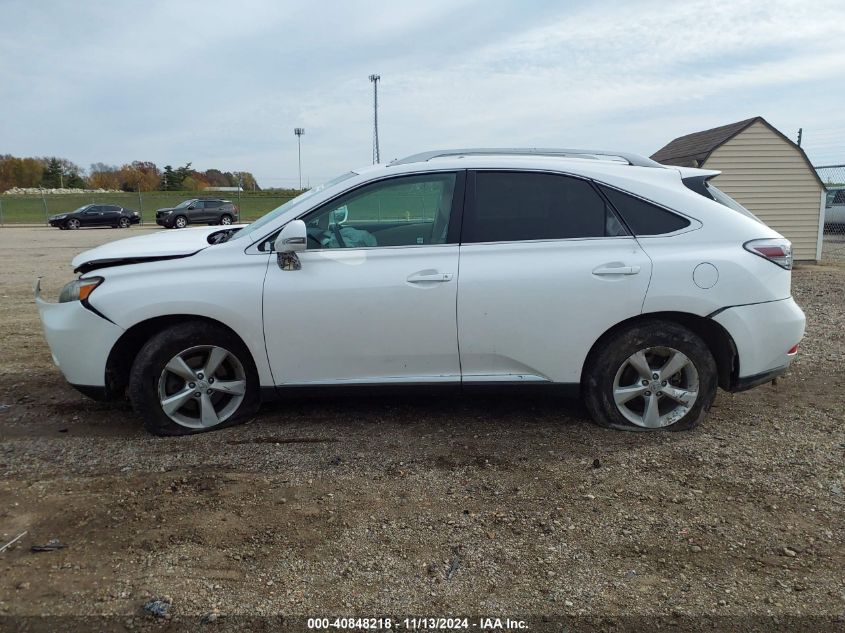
(417,507)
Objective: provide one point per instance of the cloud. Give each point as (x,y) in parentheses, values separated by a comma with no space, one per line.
(224,85)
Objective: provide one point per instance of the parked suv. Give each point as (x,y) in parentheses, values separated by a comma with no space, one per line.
(111,215)
(198,211)
(606,275)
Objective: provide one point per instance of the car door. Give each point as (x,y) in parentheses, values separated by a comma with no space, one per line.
(546,267)
(374,298)
(111,214)
(212,210)
(194,211)
(92,216)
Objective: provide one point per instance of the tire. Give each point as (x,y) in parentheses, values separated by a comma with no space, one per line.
(226,219)
(180,222)
(72,224)
(151,381)
(123,223)
(615,371)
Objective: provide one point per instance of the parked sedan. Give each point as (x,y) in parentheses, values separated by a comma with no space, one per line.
(624,281)
(197,211)
(96,215)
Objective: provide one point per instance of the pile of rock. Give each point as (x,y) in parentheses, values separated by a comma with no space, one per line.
(23,191)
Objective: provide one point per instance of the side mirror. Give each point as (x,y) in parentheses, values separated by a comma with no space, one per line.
(293,238)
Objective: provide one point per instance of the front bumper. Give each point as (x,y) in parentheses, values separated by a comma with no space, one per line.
(763,334)
(79,340)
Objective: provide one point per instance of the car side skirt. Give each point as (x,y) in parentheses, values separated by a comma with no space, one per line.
(563,390)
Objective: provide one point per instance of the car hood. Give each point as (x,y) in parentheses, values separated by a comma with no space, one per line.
(163,244)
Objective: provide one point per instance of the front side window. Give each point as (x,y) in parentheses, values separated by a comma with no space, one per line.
(839,197)
(515,206)
(644,218)
(404,211)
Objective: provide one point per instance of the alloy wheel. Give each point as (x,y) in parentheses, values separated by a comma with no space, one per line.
(202,386)
(123,223)
(181,223)
(655,387)
(225,220)
(73,224)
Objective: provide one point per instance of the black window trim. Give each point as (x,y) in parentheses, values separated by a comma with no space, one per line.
(693,225)
(471,201)
(455,217)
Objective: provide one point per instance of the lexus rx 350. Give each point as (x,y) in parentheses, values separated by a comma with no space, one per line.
(641,287)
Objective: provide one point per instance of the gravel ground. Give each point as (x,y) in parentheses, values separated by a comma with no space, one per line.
(477,506)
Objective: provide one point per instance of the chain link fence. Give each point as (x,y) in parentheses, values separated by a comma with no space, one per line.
(833,176)
(37,208)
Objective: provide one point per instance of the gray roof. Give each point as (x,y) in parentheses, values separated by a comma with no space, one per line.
(693,149)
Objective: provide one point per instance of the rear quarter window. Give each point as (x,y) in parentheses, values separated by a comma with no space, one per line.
(644,218)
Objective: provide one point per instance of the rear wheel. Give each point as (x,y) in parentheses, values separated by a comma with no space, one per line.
(191,378)
(653,375)
(72,224)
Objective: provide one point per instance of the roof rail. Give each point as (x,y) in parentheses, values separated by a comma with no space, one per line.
(598,154)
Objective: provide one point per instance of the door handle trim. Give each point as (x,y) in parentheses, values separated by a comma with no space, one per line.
(427,278)
(616,270)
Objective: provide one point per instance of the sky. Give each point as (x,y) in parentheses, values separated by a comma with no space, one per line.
(224,84)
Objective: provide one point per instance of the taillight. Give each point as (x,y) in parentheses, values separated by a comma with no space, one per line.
(793,350)
(778,251)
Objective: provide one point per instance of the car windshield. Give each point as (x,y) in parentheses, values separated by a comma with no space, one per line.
(278,211)
(722,198)
(182,205)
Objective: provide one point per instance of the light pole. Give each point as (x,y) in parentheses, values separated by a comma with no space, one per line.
(375,79)
(299,131)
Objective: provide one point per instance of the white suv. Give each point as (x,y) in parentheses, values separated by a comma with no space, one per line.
(639,286)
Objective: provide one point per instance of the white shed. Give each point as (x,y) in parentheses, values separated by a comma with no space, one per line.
(765,172)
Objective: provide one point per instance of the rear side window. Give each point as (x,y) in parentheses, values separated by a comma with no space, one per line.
(642,217)
(515,206)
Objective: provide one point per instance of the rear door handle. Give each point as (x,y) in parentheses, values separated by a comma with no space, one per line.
(419,278)
(616,270)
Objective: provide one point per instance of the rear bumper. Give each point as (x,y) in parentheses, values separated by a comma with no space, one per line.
(79,340)
(763,334)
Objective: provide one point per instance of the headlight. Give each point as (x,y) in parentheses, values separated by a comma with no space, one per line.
(59,217)
(79,289)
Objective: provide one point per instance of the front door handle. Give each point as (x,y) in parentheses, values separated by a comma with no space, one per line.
(427,277)
(616,270)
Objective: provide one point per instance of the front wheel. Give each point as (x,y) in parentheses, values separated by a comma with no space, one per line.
(180,222)
(653,375)
(226,220)
(72,224)
(123,223)
(191,378)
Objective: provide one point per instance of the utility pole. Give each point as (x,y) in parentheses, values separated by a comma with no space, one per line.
(800,131)
(375,79)
(299,131)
